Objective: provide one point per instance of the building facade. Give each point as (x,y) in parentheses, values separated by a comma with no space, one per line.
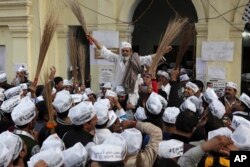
(21,24)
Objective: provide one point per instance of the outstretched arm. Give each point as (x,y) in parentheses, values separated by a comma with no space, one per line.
(104,52)
(97,43)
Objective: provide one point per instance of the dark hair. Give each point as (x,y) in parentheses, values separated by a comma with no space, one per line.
(111,164)
(39,90)
(186,121)
(57,80)
(63,114)
(199,84)
(102,126)
(6,115)
(22,126)
(213,123)
(154,119)
(163,162)
(168,124)
(77,127)
(42,110)
(150,115)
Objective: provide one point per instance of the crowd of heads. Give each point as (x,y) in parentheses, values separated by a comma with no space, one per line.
(171,113)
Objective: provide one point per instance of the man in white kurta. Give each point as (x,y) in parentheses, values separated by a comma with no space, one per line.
(121,63)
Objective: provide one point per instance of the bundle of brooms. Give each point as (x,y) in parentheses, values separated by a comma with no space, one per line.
(73,52)
(175,26)
(77,55)
(76,9)
(187,36)
(81,60)
(48,33)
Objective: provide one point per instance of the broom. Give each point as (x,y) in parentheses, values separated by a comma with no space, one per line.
(174,28)
(186,39)
(48,32)
(76,9)
(73,52)
(47,93)
(81,60)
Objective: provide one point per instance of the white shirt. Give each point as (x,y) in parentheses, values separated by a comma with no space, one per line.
(120,67)
(166,89)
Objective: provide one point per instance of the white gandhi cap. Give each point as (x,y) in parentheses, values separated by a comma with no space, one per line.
(24,112)
(52,157)
(53,141)
(81,113)
(75,156)
(133,139)
(125,45)
(170,148)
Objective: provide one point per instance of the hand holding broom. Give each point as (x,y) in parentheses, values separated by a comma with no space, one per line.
(47,93)
(174,28)
(76,9)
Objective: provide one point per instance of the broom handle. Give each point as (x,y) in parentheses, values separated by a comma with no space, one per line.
(35,81)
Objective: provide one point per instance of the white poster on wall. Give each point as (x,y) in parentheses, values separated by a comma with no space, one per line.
(106,74)
(109,38)
(217,51)
(102,69)
(217,75)
(201,69)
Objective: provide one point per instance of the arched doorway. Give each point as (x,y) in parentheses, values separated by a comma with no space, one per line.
(154,17)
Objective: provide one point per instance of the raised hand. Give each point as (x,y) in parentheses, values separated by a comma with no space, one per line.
(52,72)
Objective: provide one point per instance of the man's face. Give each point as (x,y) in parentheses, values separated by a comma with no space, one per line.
(147,79)
(188,92)
(163,79)
(117,126)
(93,122)
(59,86)
(230,92)
(68,88)
(126,52)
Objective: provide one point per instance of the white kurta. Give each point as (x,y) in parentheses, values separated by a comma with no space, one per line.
(166,89)
(120,69)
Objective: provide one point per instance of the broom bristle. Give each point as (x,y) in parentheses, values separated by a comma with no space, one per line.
(81,58)
(174,28)
(73,52)
(76,9)
(48,32)
(186,39)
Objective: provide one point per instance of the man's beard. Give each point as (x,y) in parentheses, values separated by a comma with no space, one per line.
(227,95)
(126,58)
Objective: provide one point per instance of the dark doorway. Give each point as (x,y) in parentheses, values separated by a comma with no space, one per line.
(83,50)
(154,16)
(245,81)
